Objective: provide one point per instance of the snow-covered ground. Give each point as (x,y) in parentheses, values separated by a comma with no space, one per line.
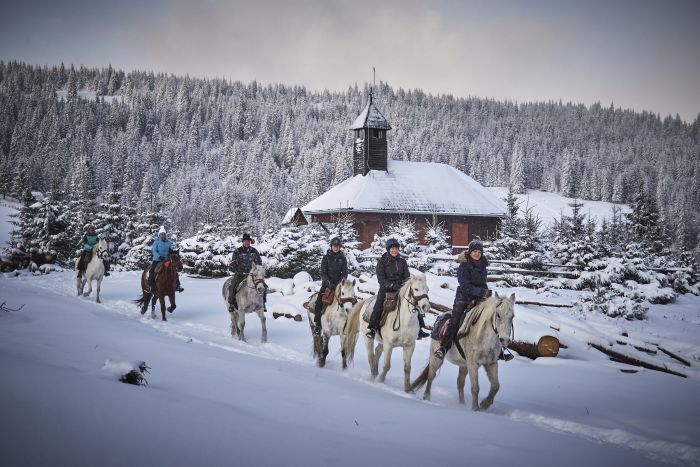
(212,400)
(550,206)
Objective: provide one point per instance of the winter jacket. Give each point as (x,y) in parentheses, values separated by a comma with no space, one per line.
(243,259)
(392,272)
(471,277)
(89,242)
(334,268)
(161,249)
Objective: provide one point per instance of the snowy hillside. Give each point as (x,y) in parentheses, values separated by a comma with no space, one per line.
(550,206)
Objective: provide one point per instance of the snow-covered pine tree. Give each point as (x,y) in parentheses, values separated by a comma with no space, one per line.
(206,254)
(438,250)
(343,229)
(403,230)
(293,249)
(145,229)
(115,223)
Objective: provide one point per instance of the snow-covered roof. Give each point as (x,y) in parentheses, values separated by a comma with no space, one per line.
(411,187)
(289,217)
(370,117)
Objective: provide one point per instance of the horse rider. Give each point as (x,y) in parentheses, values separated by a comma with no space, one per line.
(392,273)
(161,249)
(242,261)
(334,268)
(471,275)
(90,239)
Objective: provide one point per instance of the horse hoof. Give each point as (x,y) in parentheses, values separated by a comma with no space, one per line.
(87,294)
(98,301)
(143,311)
(426,397)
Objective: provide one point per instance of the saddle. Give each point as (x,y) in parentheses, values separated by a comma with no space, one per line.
(162,265)
(88,258)
(391,302)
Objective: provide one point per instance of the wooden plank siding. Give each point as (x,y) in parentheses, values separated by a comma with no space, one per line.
(368,224)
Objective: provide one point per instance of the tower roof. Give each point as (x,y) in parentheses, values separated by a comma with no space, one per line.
(371,117)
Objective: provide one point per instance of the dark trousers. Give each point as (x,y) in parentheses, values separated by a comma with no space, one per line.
(152,274)
(318,306)
(81,261)
(458,310)
(237,279)
(377,310)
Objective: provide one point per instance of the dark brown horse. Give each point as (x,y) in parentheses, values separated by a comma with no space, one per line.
(166,285)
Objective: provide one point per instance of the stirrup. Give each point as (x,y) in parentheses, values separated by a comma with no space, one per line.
(370,333)
(422,334)
(440,352)
(180,289)
(149,289)
(317,330)
(505,356)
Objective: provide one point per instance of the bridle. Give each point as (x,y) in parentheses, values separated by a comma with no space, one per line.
(413,299)
(511,334)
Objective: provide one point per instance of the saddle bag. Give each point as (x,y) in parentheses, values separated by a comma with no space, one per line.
(390,301)
(327,297)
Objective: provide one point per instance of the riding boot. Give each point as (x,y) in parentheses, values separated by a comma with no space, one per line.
(421,325)
(505,356)
(318,310)
(376,314)
(232,291)
(151,278)
(106,265)
(81,263)
(458,310)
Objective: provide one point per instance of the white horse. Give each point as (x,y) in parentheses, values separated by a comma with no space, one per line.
(94,271)
(249,298)
(399,330)
(333,321)
(487,328)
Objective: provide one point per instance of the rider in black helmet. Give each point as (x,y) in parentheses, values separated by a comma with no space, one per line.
(334,268)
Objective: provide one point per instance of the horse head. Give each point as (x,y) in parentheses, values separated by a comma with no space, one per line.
(176,260)
(257,275)
(345,294)
(503,315)
(418,293)
(101,250)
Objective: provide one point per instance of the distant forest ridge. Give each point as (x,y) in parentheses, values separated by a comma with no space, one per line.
(237,154)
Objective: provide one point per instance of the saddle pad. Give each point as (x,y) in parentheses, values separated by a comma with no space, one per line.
(311,304)
(327,297)
(367,314)
(440,326)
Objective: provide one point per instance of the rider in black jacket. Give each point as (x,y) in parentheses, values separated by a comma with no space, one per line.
(392,273)
(334,268)
(241,263)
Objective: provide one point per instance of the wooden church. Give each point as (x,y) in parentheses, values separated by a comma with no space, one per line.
(382,190)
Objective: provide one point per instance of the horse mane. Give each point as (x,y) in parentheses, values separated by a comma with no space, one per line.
(480,316)
(411,280)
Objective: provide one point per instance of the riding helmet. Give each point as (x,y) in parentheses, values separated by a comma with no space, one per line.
(336,241)
(392,242)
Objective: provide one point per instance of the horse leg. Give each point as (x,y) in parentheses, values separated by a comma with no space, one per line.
(154,299)
(146,300)
(162,306)
(99,283)
(323,349)
(89,283)
(371,358)
(172,306)
(261,314)
(343,338)
(241,325)
(473,369)
(407,355)
(461,379)
(387,363)
(492,373)
(234,323)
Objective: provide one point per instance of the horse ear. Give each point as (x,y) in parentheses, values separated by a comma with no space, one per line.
(512,297)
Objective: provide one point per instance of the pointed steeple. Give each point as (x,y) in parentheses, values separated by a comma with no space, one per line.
(370,145)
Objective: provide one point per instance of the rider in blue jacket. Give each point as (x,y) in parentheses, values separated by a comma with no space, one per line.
(161,252)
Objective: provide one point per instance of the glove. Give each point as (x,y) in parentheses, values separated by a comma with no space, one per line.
(487,293)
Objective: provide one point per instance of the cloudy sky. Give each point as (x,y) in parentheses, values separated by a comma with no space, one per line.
(638,54)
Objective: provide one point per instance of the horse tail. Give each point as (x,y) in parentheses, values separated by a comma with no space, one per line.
(353,329)
(421,380)
(145,297)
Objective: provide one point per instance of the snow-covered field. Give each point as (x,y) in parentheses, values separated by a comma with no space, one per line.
(212,400)
(550,206)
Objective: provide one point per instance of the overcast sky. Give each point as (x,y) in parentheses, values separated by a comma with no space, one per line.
(638,54)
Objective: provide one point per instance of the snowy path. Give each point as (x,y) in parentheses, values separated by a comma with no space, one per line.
(581,396)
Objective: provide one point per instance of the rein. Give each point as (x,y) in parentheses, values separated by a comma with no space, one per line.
(412,301)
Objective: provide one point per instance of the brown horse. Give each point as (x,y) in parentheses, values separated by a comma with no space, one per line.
(166,284)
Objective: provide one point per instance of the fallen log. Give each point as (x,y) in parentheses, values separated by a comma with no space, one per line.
(296,317)
(626,359)
(546,346)
(675,357)
(557,305)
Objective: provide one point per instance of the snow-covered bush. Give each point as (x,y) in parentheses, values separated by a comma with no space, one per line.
(290,250)
(206,254)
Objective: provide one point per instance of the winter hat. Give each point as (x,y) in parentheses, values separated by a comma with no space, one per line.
(475,245)
(247,237)
(335,241)
(392,242)
(162,230)
(89,226)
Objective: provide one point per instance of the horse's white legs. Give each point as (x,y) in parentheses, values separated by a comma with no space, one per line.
(234,324)
(372,358)
(492,373)
(461,378)
(89,291)
(261,314)
(407,354)
(474,379)
(387,363)
(99,283)
(241,325)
